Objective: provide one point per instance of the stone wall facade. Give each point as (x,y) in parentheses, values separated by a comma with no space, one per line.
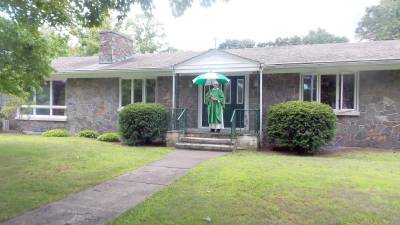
(164,92)
(36,126)
(188,98)
(92,104)
(379,122)
(278,88)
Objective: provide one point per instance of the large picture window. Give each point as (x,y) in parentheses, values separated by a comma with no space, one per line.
(46,104)
(137,90)
(340,91)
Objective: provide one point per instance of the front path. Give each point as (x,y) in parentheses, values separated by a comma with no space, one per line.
(108,200)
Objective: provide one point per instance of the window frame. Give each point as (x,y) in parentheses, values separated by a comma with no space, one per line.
(144,91)
(50,106)
(237,91)
(339,91)
(230,93)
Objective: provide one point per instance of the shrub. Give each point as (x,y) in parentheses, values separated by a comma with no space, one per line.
(56,133)
(141,123)
(109,137)
(301,126)
(88,134)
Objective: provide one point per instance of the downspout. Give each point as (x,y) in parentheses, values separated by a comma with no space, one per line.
(261,106)
(173,87)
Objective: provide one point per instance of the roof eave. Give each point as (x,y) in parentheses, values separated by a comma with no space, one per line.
(343,66)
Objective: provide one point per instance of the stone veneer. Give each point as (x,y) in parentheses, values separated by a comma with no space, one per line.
(92,104)
(379,122)
(188,98)
(278,88)
(164,92)
(36,126)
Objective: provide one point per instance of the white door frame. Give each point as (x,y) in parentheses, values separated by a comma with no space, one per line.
(200,99)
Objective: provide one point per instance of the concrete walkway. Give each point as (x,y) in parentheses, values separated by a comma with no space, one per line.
(108,200)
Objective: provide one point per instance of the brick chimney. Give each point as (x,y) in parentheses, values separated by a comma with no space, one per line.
(114,47)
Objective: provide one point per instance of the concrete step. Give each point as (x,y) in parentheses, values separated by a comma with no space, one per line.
(202,140)
(204,147)
(204,134)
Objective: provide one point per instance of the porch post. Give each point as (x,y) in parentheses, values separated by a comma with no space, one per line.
(261,105)
(173,88)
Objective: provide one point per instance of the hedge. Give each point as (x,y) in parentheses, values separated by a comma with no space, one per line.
(142,123)
(301,126)
(88,134)
(55,133)
(109,137)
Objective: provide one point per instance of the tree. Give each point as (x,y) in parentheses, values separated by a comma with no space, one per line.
(25,58)
(89,38)
(147,33)
(381,22)
(233,44)
(319,36)
(25,54)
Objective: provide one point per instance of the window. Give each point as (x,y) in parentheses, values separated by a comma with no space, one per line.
(46,104)
(240,91)
(340,91)
(150,90)
(310,88)
(227,93)
(328,90)
(137,90)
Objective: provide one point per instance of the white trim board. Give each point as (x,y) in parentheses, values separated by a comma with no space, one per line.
(216,61)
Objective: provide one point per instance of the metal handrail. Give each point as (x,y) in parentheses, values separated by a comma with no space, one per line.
(181,121)
(181,115)
(233,125)
(234,117)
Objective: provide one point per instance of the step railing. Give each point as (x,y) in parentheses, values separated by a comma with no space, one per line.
(178,120)
(244,121)
(182,122)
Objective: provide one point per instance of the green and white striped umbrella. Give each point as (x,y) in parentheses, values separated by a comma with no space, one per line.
(208,78)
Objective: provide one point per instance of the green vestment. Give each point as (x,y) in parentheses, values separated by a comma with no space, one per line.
(215,108)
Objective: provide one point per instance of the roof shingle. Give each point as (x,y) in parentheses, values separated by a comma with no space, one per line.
(300,54)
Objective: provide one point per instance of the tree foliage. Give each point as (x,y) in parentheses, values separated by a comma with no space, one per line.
(319,36)
(234,44)
(26,54)
(381,22)
(147,33)
(25,57)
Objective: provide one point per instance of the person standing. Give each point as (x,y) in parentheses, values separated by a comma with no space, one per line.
(215,101)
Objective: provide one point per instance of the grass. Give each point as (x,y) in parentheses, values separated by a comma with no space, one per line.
(35,170)
(360,187)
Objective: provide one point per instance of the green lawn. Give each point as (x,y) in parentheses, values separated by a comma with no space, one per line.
(269,188)
(35,170)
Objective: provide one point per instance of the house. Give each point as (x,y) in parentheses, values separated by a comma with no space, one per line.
(361,81)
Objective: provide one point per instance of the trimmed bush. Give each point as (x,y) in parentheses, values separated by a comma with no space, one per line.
(56,133)
(301,126)
(141,123)
(88,134)
(109,137)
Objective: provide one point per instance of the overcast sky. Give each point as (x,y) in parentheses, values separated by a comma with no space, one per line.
(260,20)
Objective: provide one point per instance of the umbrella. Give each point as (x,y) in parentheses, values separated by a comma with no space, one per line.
(207,78)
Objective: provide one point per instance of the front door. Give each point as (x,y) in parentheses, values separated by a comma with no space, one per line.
(234,99)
